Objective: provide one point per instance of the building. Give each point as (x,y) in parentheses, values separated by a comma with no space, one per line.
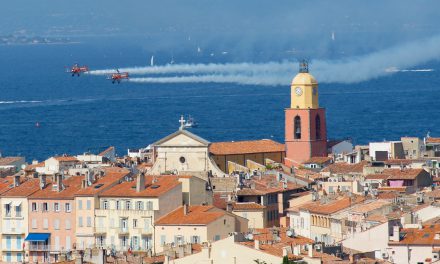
(412,179)
(412,147)
(11,165)
(183,153)
(414,245)
(14,218)
(241,152)
(59,164)
(52,218)
(338,148)
(126,212)
(196,224)
(87,201)
(253,212)
(431,147)
(381,151)
(305,121)
(317,163)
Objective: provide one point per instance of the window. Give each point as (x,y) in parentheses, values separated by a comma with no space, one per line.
(318,127)
(297,127)
(19,257)
(195,239)
(89,221)
(45,223)
(34,223)
(139,205)
(128,205)
(8,209)
(80,205)
(34,207)
(56,224)
(105,204)
(182,160)
(149,205)
(163,239)
(18,242)
(118,205)
(45,207)
(56,207)
(135,223)
(217,237)
(68,209)
(18,211)
(89,204)
(67,223)
(80,221)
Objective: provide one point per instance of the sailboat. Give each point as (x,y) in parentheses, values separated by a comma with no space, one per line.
(152,61)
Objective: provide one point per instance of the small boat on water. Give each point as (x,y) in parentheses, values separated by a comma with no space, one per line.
(190,122)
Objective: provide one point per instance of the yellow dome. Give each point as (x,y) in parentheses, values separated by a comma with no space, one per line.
(304,78)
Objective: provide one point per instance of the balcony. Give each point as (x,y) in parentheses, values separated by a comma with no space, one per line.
(100,230)
(12,231)
(122,231)
(124,213)
(38,247)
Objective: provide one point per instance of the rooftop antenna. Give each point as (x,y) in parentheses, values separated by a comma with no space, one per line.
(303,66)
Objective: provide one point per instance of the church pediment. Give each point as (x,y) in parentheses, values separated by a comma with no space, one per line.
(182,138)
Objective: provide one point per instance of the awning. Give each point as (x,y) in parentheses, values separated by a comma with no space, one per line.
(37,237)
(16,203)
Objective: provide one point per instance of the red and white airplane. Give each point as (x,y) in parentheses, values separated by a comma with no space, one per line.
(76,69)
(118,76)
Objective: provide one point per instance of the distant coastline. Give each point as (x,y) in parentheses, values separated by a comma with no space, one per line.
(27,40)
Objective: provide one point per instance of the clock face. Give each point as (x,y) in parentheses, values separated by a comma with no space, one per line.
(298,91)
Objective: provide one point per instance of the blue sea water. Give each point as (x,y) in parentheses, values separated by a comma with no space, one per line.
(88,113)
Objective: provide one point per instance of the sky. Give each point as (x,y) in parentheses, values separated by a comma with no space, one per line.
(245,26)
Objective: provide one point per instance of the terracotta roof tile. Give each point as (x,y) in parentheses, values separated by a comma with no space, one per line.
(246,147)
(397,174)
(247,206)
(376,176)
(368,207)
(332,206)
(128,189)
(433,140)
(111,176)
(65,158)
(398,162)
(267,184)
(8,160)
(107,150)
(318,160)
(32,167)
(345,168)
(25,189)
(71,186)
(197,215)
(416,236)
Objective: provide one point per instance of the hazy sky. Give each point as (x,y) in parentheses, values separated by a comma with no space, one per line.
(359,26)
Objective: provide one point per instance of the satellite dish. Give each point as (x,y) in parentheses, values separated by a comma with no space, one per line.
(249,237)
(289,233)
(42,185)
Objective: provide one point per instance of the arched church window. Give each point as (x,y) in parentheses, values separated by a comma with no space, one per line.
(318,127)
(297,127)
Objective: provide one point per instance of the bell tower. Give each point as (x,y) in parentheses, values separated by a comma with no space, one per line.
(305,124)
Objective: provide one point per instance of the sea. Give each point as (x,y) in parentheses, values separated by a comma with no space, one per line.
(44,111)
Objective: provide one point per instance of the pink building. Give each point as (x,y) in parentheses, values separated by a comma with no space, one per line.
(52,219)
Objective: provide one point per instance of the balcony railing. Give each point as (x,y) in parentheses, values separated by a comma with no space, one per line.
(39,247)
(100,230)
(12,231)
(42,247)
(122,230)
(124,213)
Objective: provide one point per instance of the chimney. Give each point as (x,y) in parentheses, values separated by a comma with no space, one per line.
(59,180)
(257,244)
(140,182)
(396,234)
(42,178)
(185,209)
(229,206)
(83,184)
(16,180)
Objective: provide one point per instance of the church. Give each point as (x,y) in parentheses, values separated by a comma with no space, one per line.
(305,122)
(305,136)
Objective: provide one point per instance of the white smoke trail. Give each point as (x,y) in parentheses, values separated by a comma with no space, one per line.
(280,73)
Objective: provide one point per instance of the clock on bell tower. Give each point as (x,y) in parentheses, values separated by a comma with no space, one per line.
(305,126)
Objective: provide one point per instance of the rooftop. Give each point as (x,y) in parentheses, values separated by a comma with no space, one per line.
(318,160)
(196,215)
(370,206)
(9,160)
(71,187)
(246,147)
(249,206)
(111,176)
(332,206)
(405,174)
(433,140)
(162,185)
(427,236)
(25,189)
(106,151)
(66,159)
(346,168)
(266,184)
